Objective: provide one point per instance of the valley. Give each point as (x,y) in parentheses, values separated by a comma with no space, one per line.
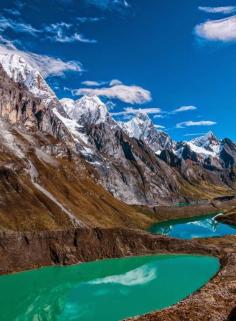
(77,185)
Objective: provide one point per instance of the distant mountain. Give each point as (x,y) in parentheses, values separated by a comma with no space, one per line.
(209,151)
(142,128)
(209,142)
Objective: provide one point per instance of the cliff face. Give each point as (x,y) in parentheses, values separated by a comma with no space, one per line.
(26,250)
(18,106)
(134,175)
(22,108)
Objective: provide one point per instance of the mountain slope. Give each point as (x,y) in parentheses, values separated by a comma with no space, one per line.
(85,140)
(129,168)
(44,183)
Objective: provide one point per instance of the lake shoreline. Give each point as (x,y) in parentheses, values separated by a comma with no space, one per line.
(21,251)
(165,213)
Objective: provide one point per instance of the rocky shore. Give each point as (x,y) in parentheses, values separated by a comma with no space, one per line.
(228,218)
(214,302)
(214,206)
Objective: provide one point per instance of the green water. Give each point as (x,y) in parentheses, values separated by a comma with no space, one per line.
(108,290)
(196,227)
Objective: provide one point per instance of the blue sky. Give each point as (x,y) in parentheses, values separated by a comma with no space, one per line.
(174,59)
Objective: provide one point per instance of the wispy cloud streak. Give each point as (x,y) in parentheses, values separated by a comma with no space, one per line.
(129,94)
(192,123)
(223,10)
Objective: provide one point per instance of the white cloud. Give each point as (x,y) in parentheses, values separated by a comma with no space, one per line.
(115,82)
(89,19)
(58,32)
(48,66)
(196,134)
(92,83)
(223,10)
(183,109)
(62,32)
(191,123)
(160,115)
(128,94)
(14,12)
(159,126)
(109,4)
(131,110)
(51,66)
(17,26)
(218,30)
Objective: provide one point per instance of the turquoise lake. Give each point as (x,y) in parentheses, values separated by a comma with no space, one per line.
(197,227)
(108,290)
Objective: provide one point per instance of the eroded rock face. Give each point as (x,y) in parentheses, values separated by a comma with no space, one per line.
(228,153)
(17,105)
(130,169)
(20,107)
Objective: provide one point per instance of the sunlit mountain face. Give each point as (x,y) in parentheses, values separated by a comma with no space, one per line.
(101,48)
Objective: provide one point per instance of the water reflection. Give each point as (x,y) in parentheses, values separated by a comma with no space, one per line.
(205,226)
(109,290)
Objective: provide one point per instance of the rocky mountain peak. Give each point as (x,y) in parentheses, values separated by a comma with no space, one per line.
(141,127)
(143,117)
(208,142)
(86,110)
(205,140)
(22,71)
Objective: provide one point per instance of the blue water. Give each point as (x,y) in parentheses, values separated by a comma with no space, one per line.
(197,227)
(109,290)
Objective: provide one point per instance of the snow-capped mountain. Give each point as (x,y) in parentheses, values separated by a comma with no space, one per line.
(139,126)
(208,150)
(86,110)
(204,150)
(142,128)
(20,71)
(209,142)
(124,155)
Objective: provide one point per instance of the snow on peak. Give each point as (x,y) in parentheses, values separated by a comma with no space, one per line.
(88,109)
(139,126)
(208,144)
(19,70)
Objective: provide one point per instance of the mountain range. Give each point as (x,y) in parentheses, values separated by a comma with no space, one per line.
(63,162)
